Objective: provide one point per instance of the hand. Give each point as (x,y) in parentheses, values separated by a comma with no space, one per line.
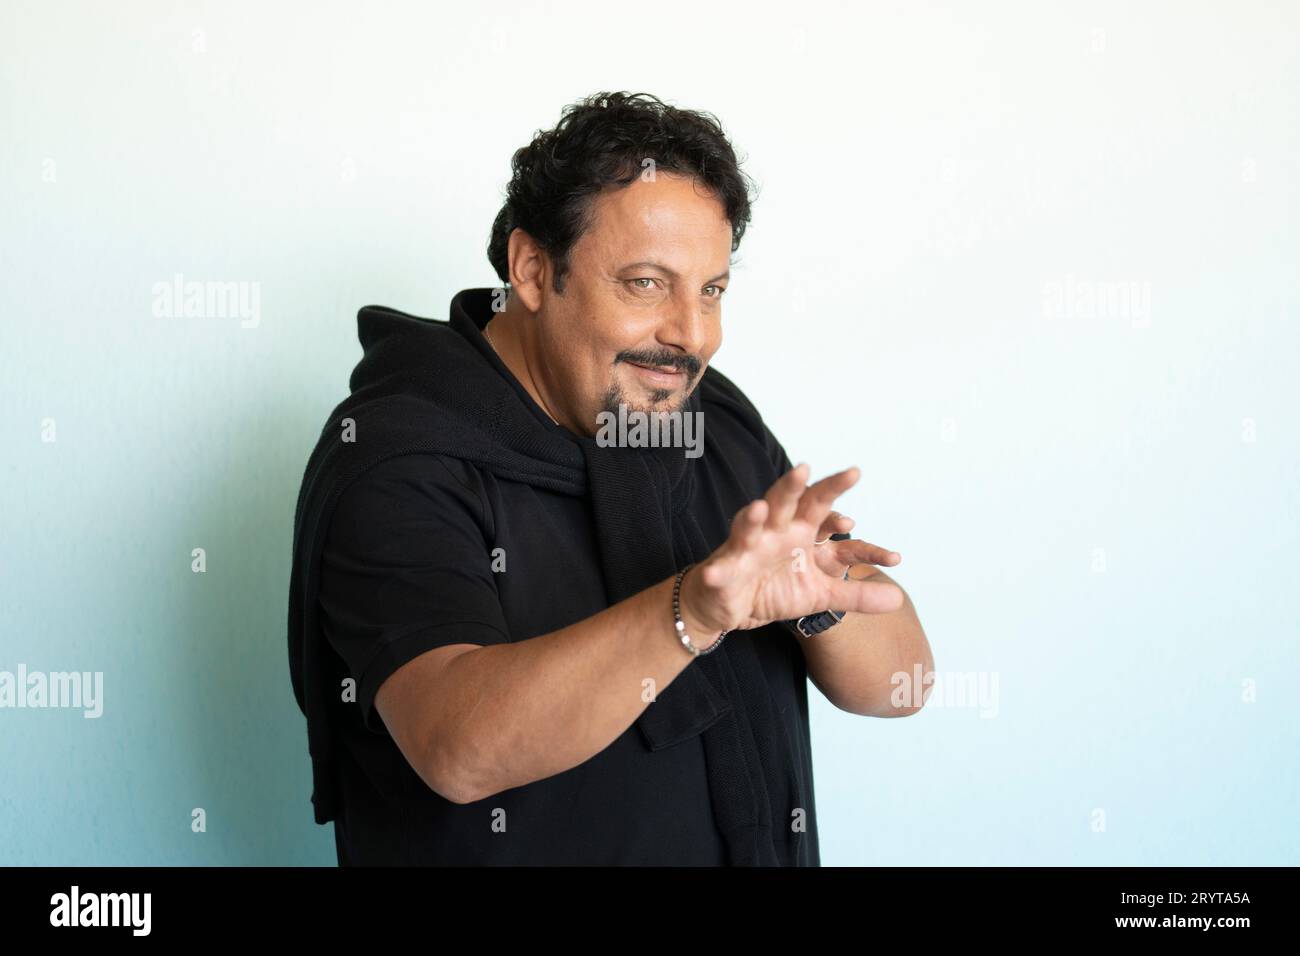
(762,572)
(837,557)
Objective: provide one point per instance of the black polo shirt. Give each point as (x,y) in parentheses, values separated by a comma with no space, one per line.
(408,565)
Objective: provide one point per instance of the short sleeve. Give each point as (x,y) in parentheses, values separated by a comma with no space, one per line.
(406,567)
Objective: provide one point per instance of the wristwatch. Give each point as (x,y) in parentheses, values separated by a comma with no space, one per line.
(812,624)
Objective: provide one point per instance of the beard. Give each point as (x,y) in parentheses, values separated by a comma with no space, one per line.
(615,397)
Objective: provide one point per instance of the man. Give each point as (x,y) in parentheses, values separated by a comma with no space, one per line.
(519,642)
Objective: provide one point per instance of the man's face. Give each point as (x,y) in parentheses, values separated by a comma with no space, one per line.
(643,291)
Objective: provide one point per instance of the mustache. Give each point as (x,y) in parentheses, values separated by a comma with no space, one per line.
(682,363)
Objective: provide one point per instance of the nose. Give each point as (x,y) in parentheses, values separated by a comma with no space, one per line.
(687,328)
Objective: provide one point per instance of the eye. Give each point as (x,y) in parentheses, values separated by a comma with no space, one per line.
(720,290)
(641,288)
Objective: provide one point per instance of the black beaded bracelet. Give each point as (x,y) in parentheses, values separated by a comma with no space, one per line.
(680,625)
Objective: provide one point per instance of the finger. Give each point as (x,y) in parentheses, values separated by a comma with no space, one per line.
(835,523)
(783,496)
(746,531)
(834,562)
(816,502)
(837,557)
(857,551)
(867,597)
(747,528)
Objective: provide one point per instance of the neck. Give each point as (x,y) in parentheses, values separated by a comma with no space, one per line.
(512,337)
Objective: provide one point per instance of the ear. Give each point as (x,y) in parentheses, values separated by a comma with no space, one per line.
(529,271)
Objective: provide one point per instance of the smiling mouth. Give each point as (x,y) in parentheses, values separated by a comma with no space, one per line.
(658,374)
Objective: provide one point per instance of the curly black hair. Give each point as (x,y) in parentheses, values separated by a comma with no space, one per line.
(603,141)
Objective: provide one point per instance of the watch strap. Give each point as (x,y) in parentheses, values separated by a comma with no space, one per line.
(811,625)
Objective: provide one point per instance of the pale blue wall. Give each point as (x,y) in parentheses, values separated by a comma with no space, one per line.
(926,177)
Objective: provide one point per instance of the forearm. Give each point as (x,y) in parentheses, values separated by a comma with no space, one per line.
(853,663)
(519,712)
